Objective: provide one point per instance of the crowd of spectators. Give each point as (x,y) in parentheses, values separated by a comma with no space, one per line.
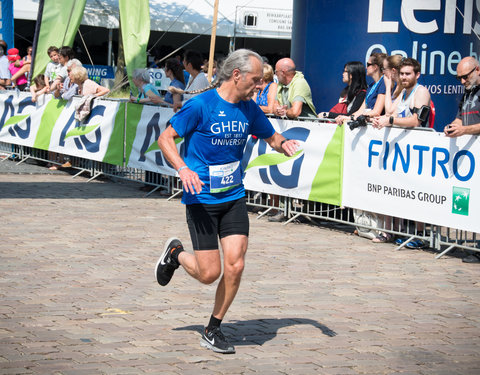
(392,98)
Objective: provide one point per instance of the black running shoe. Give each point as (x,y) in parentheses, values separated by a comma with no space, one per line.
(166,266)
(216,341)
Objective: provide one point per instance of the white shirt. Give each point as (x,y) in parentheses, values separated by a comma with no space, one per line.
(4,64)
(200,82)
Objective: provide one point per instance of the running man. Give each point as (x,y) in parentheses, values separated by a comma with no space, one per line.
(215,126)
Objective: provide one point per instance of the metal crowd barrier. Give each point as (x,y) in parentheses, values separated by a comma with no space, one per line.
(441,239)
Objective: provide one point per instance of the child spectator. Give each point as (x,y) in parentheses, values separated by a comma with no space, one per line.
(53,67)
(38,87)
(65,54)
(18,80)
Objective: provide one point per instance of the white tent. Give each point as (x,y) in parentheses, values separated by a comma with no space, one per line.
(266,18)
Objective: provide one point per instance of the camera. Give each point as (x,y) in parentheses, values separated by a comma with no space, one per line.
(360,121)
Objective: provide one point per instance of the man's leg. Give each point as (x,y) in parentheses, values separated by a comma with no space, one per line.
(234,250)
(204,265)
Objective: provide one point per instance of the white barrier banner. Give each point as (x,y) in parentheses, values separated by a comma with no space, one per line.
(145,123)
(418,175)
(89,139)
(313,173)
(49,124)
(20,118)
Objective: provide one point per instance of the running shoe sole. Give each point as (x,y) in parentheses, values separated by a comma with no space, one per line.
(204,343)
(159,263)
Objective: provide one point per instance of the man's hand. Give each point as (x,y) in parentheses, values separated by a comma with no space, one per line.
(191,181)
(454,130)
(281,110)
(290,147)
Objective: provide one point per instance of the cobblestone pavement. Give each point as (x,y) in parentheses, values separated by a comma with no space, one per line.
(78,294)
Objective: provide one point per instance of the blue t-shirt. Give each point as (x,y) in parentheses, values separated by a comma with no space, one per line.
(175,83)
(373,90)
(146,88)
(215,133)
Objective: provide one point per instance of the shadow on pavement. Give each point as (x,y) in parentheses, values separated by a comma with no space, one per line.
(259,331)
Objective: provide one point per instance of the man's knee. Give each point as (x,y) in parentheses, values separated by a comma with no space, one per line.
(209,276)
(236,268)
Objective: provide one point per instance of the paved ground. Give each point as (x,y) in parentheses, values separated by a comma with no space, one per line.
(78,294)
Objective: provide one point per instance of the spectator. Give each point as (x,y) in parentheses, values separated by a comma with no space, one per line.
(174,71)
(53,67)
(411,110)
(18,69)
(86,86)
(65,54)
(5,74)
(147,93)
(412,107)
(38,87)
(68,89)
(265,98)
(467,120)
(28,56)
(197,80)
(294,97)
(393,86)
(353,95)
(374,104)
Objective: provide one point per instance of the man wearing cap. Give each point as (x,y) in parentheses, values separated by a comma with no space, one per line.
(4,64)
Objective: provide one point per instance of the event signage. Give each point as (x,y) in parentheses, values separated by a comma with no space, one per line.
(144,125)
(313,173)
(6,22)
(100,71)
(159,79)
(414,174)
(264,22)
(49,124)
(417,175)
(438,33)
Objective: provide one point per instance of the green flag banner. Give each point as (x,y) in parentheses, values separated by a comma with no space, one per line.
(60,22)
(135,26)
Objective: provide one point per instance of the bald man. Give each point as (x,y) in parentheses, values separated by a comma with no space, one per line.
(294,97)
(468,115)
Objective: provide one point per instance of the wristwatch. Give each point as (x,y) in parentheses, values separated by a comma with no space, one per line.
(390,120)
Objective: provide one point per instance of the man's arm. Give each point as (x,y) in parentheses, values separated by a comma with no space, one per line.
(279,143)
(166,141)
(456,129)
(295,110)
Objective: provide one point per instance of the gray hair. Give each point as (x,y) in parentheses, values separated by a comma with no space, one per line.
(142,75)
(239,59)
(74,62)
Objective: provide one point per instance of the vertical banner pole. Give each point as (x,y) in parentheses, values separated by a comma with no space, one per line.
(212,42)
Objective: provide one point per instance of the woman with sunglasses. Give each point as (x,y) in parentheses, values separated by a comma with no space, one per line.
(353,95)
(374,103)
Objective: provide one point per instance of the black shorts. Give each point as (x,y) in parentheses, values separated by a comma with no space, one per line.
(207,221)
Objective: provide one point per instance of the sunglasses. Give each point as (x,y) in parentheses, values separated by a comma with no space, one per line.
(369,64)
(465,76)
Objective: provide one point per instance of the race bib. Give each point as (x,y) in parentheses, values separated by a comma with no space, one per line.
(224,177)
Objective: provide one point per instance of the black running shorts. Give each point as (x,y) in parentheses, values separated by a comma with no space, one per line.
(207,222)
